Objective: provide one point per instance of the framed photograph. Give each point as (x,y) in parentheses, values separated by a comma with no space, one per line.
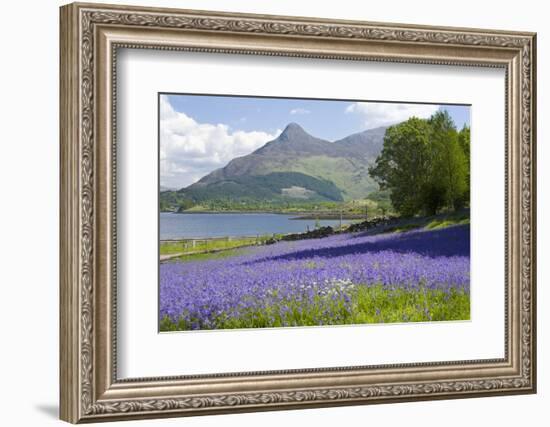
(267,212)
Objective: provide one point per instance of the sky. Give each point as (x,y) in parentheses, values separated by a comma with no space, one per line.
(201,133)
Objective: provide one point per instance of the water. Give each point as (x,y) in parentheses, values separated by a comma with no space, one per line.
(179,226)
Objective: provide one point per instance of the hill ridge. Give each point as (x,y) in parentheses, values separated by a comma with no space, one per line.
(295,166)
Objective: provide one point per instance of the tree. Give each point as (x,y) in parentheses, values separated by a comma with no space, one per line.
(424,165)
(464,142)
(401,166)
(184,204)
(448,162)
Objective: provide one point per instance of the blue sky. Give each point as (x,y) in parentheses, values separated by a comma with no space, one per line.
(200,133)
(322,118)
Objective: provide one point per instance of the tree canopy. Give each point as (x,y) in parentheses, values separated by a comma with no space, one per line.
(425,165)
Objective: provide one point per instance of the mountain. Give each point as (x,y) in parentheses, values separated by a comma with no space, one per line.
(294,166)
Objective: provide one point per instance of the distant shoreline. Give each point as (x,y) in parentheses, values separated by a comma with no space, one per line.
(299,215)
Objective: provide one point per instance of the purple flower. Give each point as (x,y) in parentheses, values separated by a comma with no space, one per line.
(289,275)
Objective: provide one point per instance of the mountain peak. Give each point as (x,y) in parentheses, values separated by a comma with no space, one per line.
(293,163)
(293,125)
(293,130)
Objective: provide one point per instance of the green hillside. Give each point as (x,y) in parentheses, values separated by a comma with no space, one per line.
(293,169)
(348,175)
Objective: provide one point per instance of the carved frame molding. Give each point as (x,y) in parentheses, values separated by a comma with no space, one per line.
(90,36)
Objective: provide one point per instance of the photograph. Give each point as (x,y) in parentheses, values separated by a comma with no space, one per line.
(283,212)
(264,210)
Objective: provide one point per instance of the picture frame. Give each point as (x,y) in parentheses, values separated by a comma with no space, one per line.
(91,37)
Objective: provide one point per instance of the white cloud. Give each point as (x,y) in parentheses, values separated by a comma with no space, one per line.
(299,111)
(189,150)
(375,114)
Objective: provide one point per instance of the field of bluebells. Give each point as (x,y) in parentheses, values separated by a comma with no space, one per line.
(418,275)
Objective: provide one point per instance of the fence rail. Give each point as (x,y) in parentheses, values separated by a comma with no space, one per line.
(217,239)
(188,243)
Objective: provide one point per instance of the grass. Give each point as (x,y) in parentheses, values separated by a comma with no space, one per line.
(363,304)
(204,256)
(446,222)
(434,224)
(170,248)
(403,228)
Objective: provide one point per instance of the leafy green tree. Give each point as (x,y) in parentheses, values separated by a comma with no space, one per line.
(184,204)
(424,165)
(402,164)
(448,163)
(464,142)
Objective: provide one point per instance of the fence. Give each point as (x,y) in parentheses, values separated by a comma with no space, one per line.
(192,243)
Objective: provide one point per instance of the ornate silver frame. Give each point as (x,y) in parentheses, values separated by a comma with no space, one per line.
(90,36)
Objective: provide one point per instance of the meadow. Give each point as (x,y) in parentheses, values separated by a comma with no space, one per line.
(414,275)
(206,245)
